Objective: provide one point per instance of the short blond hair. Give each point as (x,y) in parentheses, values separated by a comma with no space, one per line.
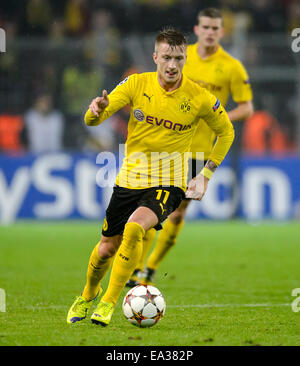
(171,36)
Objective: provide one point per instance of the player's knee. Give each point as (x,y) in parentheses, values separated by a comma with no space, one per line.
(177,216)
(107,248)
(133,232)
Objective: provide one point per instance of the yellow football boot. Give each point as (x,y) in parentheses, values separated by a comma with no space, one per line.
(103,313)
(80,309)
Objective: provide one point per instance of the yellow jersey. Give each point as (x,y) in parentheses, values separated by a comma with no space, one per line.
(222,75)
(161,128)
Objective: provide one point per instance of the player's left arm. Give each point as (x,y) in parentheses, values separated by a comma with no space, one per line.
(198,185)
(217,119)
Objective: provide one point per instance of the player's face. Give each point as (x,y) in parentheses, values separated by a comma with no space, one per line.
(209,31)
(170,62)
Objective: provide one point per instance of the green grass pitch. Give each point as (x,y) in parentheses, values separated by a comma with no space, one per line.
(225,283)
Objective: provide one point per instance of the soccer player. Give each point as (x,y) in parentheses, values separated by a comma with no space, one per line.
(165,111)
(214,69)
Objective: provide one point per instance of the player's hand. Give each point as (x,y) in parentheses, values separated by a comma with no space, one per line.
(197,188)
(98,104)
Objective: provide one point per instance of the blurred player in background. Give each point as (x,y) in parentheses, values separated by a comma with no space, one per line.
(165,111)
(216,70)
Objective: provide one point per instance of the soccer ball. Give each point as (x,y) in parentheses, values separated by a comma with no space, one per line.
(144,306)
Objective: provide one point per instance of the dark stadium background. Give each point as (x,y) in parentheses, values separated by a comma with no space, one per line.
(72,49)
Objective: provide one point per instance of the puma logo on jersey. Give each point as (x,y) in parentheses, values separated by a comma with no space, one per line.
(147,96)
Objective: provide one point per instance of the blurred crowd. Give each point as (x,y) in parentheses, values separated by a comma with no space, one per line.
(89,45)
(75,17)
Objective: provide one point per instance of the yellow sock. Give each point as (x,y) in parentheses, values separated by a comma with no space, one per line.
(147,242)
(165,241)
(97,268)
(125,262)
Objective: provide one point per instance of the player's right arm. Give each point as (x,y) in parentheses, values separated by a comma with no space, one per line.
(103,107)
(98,104)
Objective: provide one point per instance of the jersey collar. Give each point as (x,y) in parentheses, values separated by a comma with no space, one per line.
(211,57)
(163,91)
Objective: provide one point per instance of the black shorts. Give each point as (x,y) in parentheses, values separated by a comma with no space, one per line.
(161,200)
(195,166)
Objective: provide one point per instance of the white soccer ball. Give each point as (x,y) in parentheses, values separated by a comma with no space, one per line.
(144,306)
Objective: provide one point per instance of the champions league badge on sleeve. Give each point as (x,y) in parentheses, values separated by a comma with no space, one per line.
(216,106)
(124,81)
